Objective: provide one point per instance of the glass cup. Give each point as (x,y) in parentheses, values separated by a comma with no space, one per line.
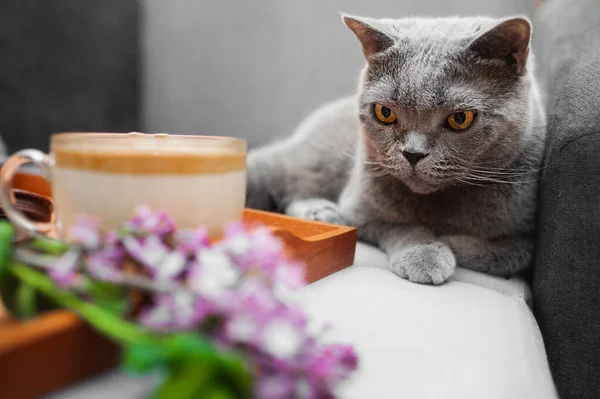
(197,180)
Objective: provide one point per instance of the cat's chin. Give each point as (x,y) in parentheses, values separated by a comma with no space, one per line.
(421,187)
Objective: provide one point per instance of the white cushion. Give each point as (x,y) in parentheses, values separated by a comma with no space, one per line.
(457,340)
(414,341)
(517,287)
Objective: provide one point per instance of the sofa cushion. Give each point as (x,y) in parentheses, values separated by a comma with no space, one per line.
(456,340)
(468,336)
(566,284)
(516,286)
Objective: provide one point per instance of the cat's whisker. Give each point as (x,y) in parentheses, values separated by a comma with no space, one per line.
(484,165)
(380,174)
(498,174)
(502,170)
(391,167)
(475,184)
(499,181)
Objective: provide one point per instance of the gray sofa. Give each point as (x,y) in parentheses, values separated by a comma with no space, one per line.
(566,277)
(566,280)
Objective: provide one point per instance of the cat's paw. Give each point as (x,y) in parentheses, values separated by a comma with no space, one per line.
(318,209)
(430,263)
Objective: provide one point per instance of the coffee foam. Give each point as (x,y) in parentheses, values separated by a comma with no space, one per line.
(161,154)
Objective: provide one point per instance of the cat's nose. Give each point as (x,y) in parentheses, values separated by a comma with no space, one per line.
(413,157)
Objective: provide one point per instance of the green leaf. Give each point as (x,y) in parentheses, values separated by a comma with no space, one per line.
(109,297)
(140,358)
(186,380)
(187,345)
(49,246)
(226,366)
(7,233)
(219,392)
(239,378)
(191,349)
(193,379)
(26,301)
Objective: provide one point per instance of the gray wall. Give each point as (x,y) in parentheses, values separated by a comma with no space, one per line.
(256,68)
(67,65)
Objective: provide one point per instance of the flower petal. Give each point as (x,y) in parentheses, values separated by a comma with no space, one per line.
(282,339)
(160,316)
(275,386)
(171,266)
(242,328)
(213,274)
(86,232)
(106,264)
(145,221)
(190,241)
(184,310)
(149,251)
(64,270)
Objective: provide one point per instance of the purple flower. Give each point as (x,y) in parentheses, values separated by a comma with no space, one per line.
(331,363)
(305,390)
(275,386)
(255,251)
(248,310)
(267,251)
(291,274)
(188,310)
(294,315)
(237,240)
(160,315)
(190,241)
(254,296)
(64,270)
(346,357)
(213,273)
(145,221)
(111,238)
(177,311)
(282,339)
(242,328)
(288,277)
(105,264)
(150,251)
(172,265)
(237,292)
(85,232)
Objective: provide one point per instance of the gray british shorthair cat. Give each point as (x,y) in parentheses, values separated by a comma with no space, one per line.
(436,160)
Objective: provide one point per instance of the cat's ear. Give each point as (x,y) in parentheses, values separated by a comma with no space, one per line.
(507,41)
(373,40)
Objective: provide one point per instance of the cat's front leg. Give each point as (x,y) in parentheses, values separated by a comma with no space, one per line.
(414,252)
(503,256)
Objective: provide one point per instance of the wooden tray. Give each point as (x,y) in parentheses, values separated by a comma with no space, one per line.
(324,248)
(57,349)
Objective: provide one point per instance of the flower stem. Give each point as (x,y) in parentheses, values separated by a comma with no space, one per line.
(45,262)
(114,327)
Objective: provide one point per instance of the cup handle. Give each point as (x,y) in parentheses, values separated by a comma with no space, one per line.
(7,197)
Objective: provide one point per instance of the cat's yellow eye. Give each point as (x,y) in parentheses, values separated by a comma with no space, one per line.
(384,114)
(461,120)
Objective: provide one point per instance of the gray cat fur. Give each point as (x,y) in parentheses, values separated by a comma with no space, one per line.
(471,200)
